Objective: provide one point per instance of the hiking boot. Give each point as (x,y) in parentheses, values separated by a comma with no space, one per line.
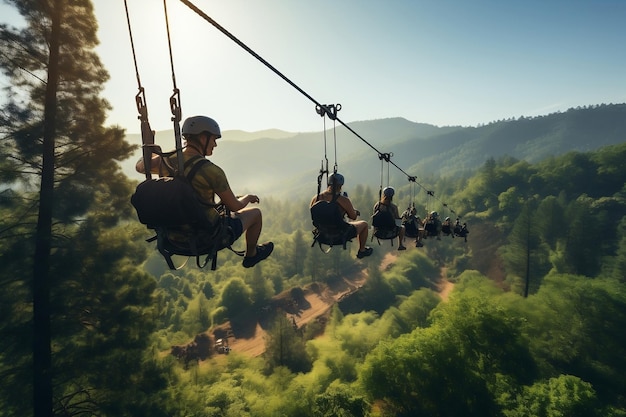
(367,252)
(262,252)
(402,247)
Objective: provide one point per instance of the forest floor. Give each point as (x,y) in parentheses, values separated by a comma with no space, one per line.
(313,305)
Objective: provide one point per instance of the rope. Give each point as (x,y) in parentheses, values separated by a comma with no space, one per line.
(174,99)
(132,43)
(147,135)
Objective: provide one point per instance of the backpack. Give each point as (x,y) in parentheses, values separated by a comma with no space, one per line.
(330,228)
(170,201)
(410,227)
(431,227)
(384,224)
(171,207)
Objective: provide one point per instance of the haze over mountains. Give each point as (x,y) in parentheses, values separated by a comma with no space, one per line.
(280,164)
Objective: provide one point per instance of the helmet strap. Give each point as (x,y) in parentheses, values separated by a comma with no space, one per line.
(206,144)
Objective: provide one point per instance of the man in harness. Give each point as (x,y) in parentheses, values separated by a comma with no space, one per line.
(358,227)
(201,134)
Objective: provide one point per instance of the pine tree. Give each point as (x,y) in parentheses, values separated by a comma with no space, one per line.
(525,257)
(64,195)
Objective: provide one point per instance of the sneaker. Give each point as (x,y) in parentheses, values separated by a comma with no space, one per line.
(419,244)
(402,247)
(262,252)
(367,252)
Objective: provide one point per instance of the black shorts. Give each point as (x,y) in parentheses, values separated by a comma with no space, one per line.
(351,234)
(236,226)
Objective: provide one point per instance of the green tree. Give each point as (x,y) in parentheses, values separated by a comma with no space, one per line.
(565,395)
(261,288)
(449,368)
(615,267)
(551,221)
(525,257)
(285,347)
(340,400)
(197,316)
(298,250)
(575,326)
(236,297)
(58,167)
(579,256)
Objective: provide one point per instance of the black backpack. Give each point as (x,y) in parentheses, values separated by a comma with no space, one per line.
(170,205)
(410,227)
(330,228)
(170,201)
(384,224)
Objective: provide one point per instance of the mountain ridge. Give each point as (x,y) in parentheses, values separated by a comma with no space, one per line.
(280,164)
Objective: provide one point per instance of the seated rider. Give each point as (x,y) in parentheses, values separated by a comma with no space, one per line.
(335,183)
(446,227)
(201,134)
(461,230)
(432,225)
(457,226)
(386,204)
(420,229)
(414,224)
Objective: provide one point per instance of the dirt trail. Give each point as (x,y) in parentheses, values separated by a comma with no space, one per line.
(318,304)
(445,286)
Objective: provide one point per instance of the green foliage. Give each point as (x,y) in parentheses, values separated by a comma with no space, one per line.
(196,317)
(525,256)
(574,327)
(339,400)
(565,395)
(394,347)
(447,369)
(285,347)
(236,297)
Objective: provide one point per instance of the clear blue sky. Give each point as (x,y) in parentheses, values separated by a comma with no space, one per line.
(441,62)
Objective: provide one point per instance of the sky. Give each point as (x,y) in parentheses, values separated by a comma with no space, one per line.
(448,62)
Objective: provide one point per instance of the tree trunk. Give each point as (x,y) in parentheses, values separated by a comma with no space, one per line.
(42,358)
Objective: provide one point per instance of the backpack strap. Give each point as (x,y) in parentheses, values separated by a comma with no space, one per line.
(197,162)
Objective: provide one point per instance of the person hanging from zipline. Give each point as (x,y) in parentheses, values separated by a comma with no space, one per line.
(201,134)
(359,227)
(386,206)
(413,226)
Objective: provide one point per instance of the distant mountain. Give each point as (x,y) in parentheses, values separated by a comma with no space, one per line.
(280,164)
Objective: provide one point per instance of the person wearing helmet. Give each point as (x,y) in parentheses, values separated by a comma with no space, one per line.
(413,226)
(333,192)
(432,225)
(201,134)
(386,204)
(446,227)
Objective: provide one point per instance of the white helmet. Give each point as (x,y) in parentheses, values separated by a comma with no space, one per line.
(198,124)
(389,192)
(335,179)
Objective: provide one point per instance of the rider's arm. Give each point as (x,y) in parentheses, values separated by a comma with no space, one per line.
(234,203)
(346,204)
(154,165)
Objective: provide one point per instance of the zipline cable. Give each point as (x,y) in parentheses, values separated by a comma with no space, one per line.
(250,51)
(294,85)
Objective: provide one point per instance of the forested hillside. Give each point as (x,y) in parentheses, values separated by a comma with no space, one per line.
(95,324)
(533,326)
(422,150)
